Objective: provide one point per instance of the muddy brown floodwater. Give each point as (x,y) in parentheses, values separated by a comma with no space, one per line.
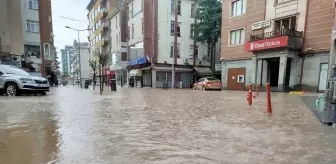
(147,126)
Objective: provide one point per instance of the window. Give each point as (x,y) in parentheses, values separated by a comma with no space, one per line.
(193,10)
(172,50)
(172,28)
(128,34)
(132,31)
(33,26)
(117,39)
(33,4)
(237,37)
(173,7)
(192,30)
(116,21)
(287,23)
(192,52)
(238,7)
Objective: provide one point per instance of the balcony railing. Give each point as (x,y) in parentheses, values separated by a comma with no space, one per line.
(274,34)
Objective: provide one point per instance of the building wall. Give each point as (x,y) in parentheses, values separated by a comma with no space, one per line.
(30,38)
(115,33)
(165,16)
(85,67)
(311,70)
(135,20)
(11,27)
(255,12)
(247,64)
(319,25)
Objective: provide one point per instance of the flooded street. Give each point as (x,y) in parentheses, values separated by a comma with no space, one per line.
(147,126)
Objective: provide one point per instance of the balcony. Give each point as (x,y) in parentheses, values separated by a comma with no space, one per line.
(274,34)
(104,11)
(285,38)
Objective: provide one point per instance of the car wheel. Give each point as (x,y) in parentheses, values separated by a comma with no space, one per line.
(12,89)
(44,93)
(203,88)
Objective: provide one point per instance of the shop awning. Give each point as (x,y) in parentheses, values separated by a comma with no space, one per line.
(203,70)
(135,72)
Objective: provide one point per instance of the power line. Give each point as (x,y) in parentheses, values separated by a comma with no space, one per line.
(73,19)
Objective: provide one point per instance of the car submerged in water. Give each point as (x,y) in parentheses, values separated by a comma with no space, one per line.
(14,81)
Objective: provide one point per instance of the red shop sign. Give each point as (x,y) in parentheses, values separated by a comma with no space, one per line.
(277,42)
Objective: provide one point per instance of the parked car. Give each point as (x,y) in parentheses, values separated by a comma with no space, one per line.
(208,83)
(14,81)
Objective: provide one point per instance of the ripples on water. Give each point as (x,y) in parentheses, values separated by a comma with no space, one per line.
(156,126)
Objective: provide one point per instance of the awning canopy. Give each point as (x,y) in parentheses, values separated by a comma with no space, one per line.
(135,72)
(203,70)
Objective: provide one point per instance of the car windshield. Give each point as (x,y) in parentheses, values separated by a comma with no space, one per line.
(211,79)
(13,70)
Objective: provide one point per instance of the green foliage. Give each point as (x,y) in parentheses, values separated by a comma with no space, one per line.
(208,26)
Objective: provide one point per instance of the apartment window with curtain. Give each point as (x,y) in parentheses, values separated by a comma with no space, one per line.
(237,37)
(33,4)
(238,7)
(172,50)
(33,26)
(173,7)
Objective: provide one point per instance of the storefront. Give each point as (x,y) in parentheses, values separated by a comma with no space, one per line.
(135,72)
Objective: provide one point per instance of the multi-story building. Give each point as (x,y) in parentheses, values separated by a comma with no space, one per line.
(37,33)
(284,43)
(67,54)
(11,37)
(80,68)
(151,43)
(118,43)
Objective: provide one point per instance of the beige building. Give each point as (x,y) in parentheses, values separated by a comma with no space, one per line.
(11,33)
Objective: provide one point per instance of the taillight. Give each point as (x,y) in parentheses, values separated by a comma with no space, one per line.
(207,83)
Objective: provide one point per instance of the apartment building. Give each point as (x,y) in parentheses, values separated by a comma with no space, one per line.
(151,43)
(282,42)
(98,24)
(67,55)
(118,42)
(80,68)
(11,37)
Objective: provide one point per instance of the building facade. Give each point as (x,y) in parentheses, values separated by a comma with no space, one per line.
(284,43)
(151,44)
(80,68)
(11,36)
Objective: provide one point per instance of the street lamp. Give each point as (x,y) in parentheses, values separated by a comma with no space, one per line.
(79,57)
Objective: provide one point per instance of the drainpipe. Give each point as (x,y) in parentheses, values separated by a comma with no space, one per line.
(303,41)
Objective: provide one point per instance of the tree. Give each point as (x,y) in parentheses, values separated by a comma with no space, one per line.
(102,61)
(208,27)
(93,62)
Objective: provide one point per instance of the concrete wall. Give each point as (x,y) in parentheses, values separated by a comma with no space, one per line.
(247,64)
(11,27)
(311,70)
(136,21)
(85,67)
(115,31)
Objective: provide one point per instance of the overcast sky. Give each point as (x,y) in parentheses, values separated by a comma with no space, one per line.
(72,9)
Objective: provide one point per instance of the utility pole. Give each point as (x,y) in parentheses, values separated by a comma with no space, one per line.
(79,58)
(175,44)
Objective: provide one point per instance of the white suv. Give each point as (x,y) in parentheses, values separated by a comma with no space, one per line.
(14,81)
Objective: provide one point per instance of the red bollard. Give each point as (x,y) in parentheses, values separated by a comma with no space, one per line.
(268,97)
(250,94)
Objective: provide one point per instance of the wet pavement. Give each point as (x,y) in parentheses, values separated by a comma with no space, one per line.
(135,126)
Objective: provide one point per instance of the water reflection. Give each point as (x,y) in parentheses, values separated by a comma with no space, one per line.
(28,133)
